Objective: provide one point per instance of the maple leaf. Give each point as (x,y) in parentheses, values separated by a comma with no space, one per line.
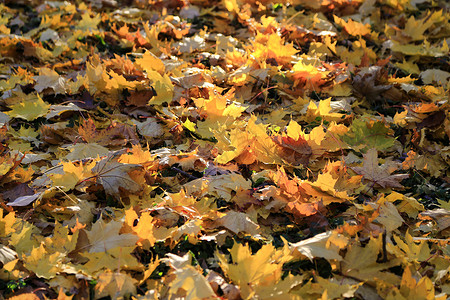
(238,222)
(330,288)
(353,27)
(22,239)
(144,228)
(43,264)
(61,242)
(50,79)
(379,175)
(308,76)
(220,185)
(409,250)
(249,271)
(411,288)
(30,108)
(114,175)
(69,175)
(115,285)
(326,245)
(267,47)
(104,236)
(323,110)
(416,28)
(361,262)
(115,134)
(388,215)
(188,278)
(163,87)
(82,151)
(150,128)
(366,83)
(149,62)
(6,223)
(409,205)
(324,188)
(365,134)
(294,151)
(114,258)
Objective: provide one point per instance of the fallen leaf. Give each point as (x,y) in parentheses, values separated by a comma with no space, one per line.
(379,175)
(114,175)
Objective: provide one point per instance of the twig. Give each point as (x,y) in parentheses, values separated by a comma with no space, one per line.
(192,177)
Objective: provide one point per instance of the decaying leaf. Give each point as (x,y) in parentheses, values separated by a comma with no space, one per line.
(113,175)
(236,149)
(379,175)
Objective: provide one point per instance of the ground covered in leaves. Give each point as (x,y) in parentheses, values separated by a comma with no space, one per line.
(230,149)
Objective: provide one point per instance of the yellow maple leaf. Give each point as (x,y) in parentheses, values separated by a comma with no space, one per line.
(137,155)
(115,285)
(49,78)
(149,62)
(104,236)
(323,110)
(361,262)
(409,250)
(352,27)
(219,106)
(188,279)
(325,245)
(411,288)
(43,264)
(22,239)
(408,66)
(163,87)
(29,108)
(407,204)
(61,241)
(96,75)
(293,130)
(117,81)
(307,75)
(6,223)
(251,270)
(220,185)
(330,288)
(144,227)
(69,176)
(400,118)
(89,24)
(324,188)
(415,29)
(115,258)
(272,47)
(238,222)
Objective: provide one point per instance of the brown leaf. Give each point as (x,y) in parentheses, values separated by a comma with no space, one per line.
(367,83)
(379,175)
(295,152)
(140,98)
(114,175)
(117,134)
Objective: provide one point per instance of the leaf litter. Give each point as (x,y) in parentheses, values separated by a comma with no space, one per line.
(233,149)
